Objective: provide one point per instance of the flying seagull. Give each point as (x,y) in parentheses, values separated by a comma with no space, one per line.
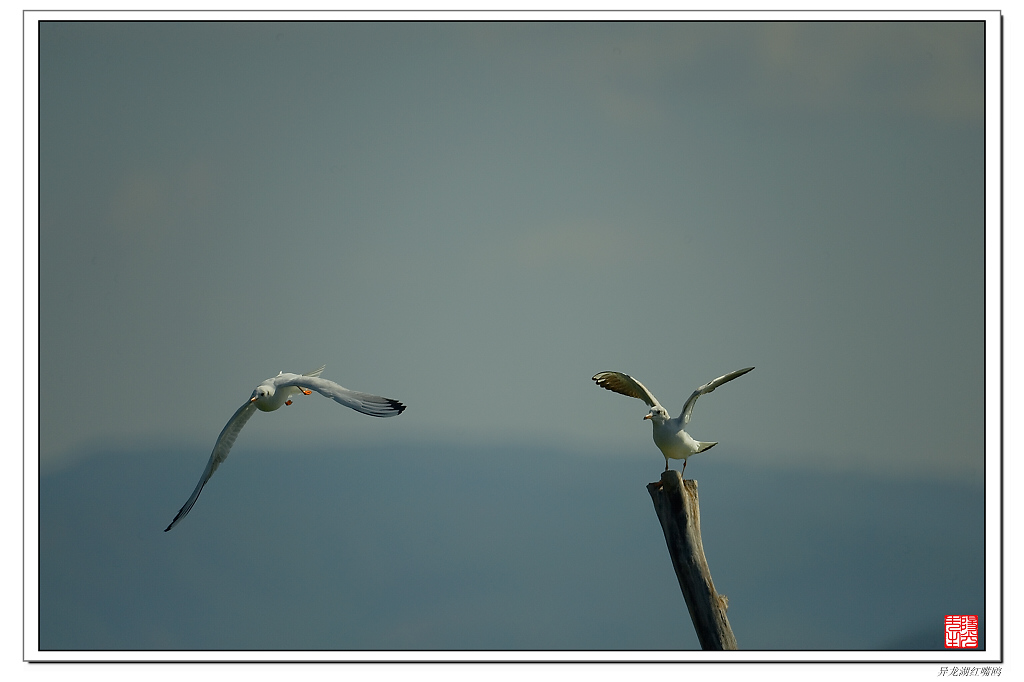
(272,394)
(669,434)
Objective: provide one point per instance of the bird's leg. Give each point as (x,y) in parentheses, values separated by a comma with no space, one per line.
(658,483)
(684,469)
(304,392)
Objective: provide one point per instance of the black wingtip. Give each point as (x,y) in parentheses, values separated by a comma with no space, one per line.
(395,405)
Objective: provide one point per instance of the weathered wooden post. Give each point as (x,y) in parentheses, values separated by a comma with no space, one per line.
(675,501)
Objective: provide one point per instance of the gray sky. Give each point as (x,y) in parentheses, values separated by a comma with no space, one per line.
(475,218)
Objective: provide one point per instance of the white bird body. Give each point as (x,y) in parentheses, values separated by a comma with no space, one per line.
(274,398)
(272,394)
(669,434)
(676,443)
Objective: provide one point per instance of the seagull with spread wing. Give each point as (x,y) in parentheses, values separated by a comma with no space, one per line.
(669,434)
(272,394)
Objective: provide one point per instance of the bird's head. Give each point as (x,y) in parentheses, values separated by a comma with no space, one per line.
(262,392)
(657,414)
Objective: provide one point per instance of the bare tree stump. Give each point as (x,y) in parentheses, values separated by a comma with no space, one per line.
(678,509)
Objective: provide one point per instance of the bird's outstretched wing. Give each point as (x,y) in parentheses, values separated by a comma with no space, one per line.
(367,403)
(707,388)
(220,452)
(315,372)
(626,385)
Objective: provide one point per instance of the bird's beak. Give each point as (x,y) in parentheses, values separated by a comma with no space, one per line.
(253,399)
(647,417)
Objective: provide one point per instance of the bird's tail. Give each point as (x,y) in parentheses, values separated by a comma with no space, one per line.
(704,445)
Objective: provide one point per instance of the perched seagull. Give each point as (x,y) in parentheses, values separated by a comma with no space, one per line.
(669,436)
(272,394)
